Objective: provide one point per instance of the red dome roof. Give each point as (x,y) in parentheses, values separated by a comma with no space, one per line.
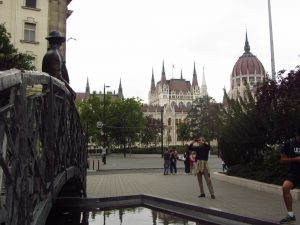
(247,63)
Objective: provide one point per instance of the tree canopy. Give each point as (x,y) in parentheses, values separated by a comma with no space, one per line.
(203,117)
(124,120)
(9,55)
(250,126)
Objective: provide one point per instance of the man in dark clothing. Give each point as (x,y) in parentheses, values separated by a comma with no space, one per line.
(166,162)
(187,159)
(201,147)
(173,161)
(290,154)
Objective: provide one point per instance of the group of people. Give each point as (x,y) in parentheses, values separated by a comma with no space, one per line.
(195,162)
(196,157)
(170,161)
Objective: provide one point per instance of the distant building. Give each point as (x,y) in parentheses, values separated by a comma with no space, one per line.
(247,71)
(81,96)
(174,97)
(30,21)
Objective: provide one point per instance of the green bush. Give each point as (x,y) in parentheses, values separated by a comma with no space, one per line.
(153,150)
(268,169)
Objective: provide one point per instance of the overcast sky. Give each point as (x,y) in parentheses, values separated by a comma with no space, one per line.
(124,39)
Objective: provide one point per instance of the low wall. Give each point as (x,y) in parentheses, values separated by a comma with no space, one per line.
(256,185)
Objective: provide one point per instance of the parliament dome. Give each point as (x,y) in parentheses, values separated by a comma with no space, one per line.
(248,64)
(247,71)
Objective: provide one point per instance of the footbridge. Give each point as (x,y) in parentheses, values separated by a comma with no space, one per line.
(42,146)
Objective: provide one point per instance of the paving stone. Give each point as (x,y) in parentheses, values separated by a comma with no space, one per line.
(229,197)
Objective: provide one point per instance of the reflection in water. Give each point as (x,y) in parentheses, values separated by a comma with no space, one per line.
(129,216)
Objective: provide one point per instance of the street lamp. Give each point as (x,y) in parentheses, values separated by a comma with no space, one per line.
(104,115)
(162,130)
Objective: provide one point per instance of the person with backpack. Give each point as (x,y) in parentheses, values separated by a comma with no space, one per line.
(290,154)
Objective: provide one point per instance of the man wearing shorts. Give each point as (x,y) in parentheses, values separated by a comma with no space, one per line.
(290,154)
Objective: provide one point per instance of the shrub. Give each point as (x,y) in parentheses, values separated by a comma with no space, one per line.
(268,169)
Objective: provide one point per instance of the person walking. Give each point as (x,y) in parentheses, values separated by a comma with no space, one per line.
(290,154)
(166,161)
(224,167)
(201,147)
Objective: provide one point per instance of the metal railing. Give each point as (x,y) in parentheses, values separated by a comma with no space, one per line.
(41,145)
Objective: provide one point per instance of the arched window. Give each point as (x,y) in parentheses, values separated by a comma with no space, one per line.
(181,105)
(189,105)
(169,121)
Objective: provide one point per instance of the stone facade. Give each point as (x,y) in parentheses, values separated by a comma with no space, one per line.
(30,21)
(175,98)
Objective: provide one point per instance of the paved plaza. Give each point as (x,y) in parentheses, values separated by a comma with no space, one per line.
(143,174)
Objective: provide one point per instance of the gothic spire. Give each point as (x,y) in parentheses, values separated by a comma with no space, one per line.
(203,84)
(120,90)
(163,74)
(195,80)
(152,82)
(247,46)
(87,88)
(181,75)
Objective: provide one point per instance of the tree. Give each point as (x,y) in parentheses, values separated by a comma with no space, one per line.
(91,111)
(125,121)
(183,132)
(278,104)
(241,134)
(9,56)
(203,117)
(151,131)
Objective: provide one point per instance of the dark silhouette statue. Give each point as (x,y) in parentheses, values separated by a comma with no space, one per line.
(53,61)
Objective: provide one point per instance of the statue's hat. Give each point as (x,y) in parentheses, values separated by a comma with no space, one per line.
(56,35)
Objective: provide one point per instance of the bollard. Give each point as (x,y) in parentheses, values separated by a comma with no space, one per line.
(98,165)
(93,165)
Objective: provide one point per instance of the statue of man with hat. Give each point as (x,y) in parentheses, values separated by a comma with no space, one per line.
(53,62)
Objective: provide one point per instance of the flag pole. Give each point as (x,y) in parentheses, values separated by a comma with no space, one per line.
(172,69)
(271,42)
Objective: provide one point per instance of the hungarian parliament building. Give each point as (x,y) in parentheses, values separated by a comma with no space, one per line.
(175,96)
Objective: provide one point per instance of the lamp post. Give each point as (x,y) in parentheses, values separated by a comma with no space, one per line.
(104,116)
(162,130)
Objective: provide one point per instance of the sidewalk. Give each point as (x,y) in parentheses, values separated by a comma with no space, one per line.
(229,197)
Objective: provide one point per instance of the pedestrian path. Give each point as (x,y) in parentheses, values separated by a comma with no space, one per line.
(230,198)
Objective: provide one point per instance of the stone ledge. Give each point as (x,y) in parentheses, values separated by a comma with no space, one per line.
(256,185)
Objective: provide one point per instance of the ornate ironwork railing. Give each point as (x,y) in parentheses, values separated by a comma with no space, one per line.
(41,145)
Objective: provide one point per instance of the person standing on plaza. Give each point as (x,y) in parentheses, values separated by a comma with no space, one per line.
(166,161)
(201,147)
(192,162)
(104,155)
(290,154)
(187,160)
(173,160)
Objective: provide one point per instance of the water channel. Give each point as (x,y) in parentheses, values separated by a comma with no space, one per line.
(121,216)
